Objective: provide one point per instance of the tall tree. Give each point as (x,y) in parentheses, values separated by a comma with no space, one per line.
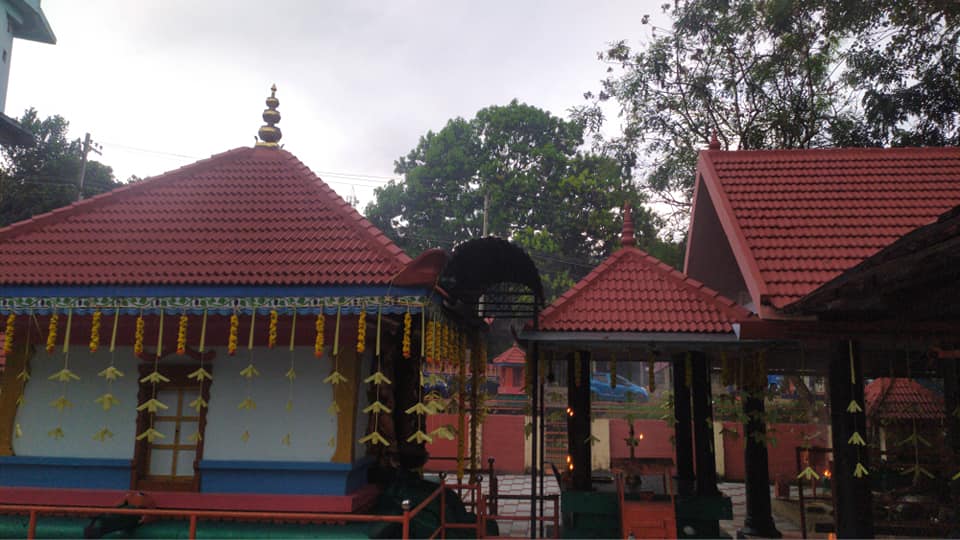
(39,178)
(522,165)
(777,74)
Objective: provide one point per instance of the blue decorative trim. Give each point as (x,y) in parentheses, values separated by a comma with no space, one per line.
(40,291)
(55,472)
(283,477)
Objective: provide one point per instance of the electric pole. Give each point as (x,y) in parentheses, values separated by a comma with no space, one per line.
(88,146)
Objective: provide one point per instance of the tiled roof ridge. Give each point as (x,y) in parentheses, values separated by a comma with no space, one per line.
(726,305)
(507,355)
(363,225)
(57,215)
(872,150)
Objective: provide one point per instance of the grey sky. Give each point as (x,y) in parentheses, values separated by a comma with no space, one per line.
(358,82)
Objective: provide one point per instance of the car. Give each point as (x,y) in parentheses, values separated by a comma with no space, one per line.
(602,389)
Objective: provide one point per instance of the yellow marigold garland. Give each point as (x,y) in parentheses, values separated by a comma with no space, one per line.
(95,331)
(8,334)
(428,342)
(318,344)
(362,331)
(182,334)
(232,340)
(407,326)
(52,333)
(138,336)
(272,332)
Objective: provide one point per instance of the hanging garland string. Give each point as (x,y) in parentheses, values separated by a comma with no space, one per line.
(336,377)
(182,333)
(232,339)
(24,374)
(461,417)
(138,336)
(318,342)
(64,376)
(109,374)
(249,373)
(8,334)
(291,374)
(419,408)
(407,324)
(377,379)
(52,332)
(853,408)
(362,330)
(155,378)
(272,329)
(200,375)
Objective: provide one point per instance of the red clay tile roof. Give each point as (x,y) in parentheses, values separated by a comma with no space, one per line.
(632,291)
(804,216)
(513,355)
(249,216)
(902,399)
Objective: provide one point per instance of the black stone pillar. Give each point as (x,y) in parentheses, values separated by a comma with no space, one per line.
(759,518)
(703,426)
(683,434)
(851,495)
(578,425)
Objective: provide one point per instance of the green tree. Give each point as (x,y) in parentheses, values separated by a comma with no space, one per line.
(39,178)
(777,74)
(524,166)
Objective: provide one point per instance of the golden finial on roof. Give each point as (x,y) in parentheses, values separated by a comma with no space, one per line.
(269,133)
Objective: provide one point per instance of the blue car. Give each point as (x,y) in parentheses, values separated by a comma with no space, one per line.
(603,391)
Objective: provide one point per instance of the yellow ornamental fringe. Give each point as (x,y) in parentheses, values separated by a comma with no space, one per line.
(407,327)
(428,343)
(854,407)
(860,471)
(150,435)
(111,374)
(232,339)
(808,474)
(378,378)
(247,404)
(107,401)
(374,438)
(152,405)
(420,437)
(155,378)
(8,334)
(444,432)
(95,331)
(56,433)
(376,407)
(856,439)
(52,333)
(182,334)
(318,344)
(419,409)
(138,336)
(200,375)
(335,378)
(198,404)
(362,331)
(103,435)
(272,330)
(291,374)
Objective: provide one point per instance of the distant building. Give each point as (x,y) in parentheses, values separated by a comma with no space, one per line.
(25,20)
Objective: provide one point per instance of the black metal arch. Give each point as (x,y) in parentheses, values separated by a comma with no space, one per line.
(483,266)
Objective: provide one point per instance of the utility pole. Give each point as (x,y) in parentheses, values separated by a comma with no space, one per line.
(486,210)
(88,146)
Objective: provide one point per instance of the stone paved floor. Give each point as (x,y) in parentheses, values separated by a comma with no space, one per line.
(737,494)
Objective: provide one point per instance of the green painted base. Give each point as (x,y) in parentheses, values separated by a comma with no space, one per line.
(590,514)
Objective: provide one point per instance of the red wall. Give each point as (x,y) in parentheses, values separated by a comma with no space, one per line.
(655,443)
(503,440)
(782,457)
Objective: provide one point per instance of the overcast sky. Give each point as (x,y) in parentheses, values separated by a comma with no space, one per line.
(161,84)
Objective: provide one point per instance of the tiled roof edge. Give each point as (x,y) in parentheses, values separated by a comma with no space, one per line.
(572,292)
(87,205)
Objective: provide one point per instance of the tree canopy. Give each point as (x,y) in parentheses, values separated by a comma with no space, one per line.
(39,178)
(525,166)
(776,74)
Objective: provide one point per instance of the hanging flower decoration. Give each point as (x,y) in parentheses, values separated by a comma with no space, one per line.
(200,375)
(272,330)
(428,343)
(808,474)
(361,330)
(232,340)
(8,334)
(52,333)
(64,376)
(95,331)
(138,336)
(854,408)
(377,379)
(318,343)
(182,334)
(103,435)
(24,375)
(154,378)
(251,371)
(407,326)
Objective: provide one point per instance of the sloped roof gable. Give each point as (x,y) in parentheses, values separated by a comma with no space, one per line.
(632,291)
(249,216)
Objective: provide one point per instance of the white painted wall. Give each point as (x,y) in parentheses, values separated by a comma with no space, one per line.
(309,423)
(36,417)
